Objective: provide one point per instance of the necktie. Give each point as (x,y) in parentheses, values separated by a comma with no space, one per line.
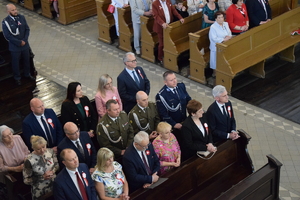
(146,5)
(48,135)
(224,112)
(116,121)
(135,78)
(80,148)
(146,165)
(81,187)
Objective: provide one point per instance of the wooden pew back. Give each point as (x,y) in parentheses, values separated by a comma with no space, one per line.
(148,38)
(125,28)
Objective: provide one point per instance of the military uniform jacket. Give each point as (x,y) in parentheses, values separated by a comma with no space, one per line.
(115,136)
(172,107)
(144,121)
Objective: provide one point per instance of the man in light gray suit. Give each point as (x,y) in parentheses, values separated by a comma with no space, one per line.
(139,8)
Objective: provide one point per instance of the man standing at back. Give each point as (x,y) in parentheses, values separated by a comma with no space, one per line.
(16,32)
(131,80)
(259,12)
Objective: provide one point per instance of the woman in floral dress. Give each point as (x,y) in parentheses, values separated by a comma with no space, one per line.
(110,181)
(40,167)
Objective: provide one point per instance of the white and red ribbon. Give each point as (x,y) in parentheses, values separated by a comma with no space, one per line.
(49,120)
(84,178)
(206,127)
(86,108)
(147,152)
(119,177)
(140,74)
(88,146)
(229,111)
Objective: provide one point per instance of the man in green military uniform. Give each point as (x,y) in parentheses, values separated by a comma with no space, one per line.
(144,116)
(114,130)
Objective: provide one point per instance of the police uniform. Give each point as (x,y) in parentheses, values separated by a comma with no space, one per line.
(171,105)
(144,120)
(116,136)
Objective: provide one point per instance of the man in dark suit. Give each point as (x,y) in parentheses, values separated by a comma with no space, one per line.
(163,13)
(81,143)
(140,163)
(16,31)
(74,182)
(259,12)
(131,80)
(42,122)
(220,116)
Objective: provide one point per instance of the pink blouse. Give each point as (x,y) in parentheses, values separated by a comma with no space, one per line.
(15,156)
(100,101)
(167,152)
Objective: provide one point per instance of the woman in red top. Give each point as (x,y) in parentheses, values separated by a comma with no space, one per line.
(237,17)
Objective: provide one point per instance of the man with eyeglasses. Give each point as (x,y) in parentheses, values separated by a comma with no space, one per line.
(220,116)
(131,80)
(81,143)
(140,163)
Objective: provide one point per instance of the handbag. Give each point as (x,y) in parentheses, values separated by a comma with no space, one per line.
(111,8)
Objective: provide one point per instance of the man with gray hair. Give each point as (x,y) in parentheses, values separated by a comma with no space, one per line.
(140,163)
(220,116)
(131,80)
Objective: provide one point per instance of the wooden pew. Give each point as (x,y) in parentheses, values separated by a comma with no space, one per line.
(230,164)
(47,8)
(199,44)
(75,10)
(279,7)
(106,22)
(125,28)
(149,38)
(16,187)
(29,4)
(176,39)
(250,49)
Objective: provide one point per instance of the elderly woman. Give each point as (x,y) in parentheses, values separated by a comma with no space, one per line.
(110,181)
(195,6)
(105,92)
(237,17)
(224,5)
(77,108)
(208,13)
(196,133)
(13,152)
(219,32)
(166,148)
(40,167)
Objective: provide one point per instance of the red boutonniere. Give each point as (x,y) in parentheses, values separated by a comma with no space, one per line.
(229,111)
(206,128)
(84,178)
(140,74)
(88,146)
(49,120)
(119,177)
(160,7)
(147,152)
(86,108)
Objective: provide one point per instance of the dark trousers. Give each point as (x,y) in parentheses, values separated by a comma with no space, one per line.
(160,46)
(15,62)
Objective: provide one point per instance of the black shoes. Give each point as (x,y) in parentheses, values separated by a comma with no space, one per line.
(30,77)
(18,82)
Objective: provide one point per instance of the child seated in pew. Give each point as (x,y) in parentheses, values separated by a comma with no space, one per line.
(181,9)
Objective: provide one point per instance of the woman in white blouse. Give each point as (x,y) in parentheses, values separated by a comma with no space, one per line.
(219,32)
(118,4)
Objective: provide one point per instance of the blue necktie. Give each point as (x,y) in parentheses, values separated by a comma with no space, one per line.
(135,78)
(49,138)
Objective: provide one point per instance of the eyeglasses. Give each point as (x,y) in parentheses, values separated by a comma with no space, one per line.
(144,147)
(132,61)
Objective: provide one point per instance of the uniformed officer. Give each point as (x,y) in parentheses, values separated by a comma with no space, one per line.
(144,115)
(114,130)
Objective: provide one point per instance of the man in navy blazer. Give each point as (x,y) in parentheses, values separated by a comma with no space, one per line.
(259,12)
(16,32)
(131,80)
(73,134)
(32,125)
(66,185)
(220,116)
(137,172)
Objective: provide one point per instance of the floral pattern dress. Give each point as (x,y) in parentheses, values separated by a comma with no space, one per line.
(113,181)
(34,168)
(167,152)
(210,14)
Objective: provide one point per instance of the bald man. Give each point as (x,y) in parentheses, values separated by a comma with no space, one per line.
(42,122)
(144,115)
(16,32)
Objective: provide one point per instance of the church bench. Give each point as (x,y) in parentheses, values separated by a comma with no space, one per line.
(125,29)
(230,164)
(199,54)
(47,8)
(252,48)
(176,39)
(106,22)
(75,10)
(29,4)
(149,38)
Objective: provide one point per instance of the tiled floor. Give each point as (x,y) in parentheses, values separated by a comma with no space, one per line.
(73,53)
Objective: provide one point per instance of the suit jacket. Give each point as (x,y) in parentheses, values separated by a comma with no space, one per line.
(70,113)
(172,100)
(257,13)
(219,124)
(147,121)
(15,41)
(65,189)
(138,9)
(31,126)
(90,153)
(193,139)
(107,127)
(159,15)
(128,88)
(135,169)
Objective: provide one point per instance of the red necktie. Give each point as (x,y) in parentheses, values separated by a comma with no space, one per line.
(81,187)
